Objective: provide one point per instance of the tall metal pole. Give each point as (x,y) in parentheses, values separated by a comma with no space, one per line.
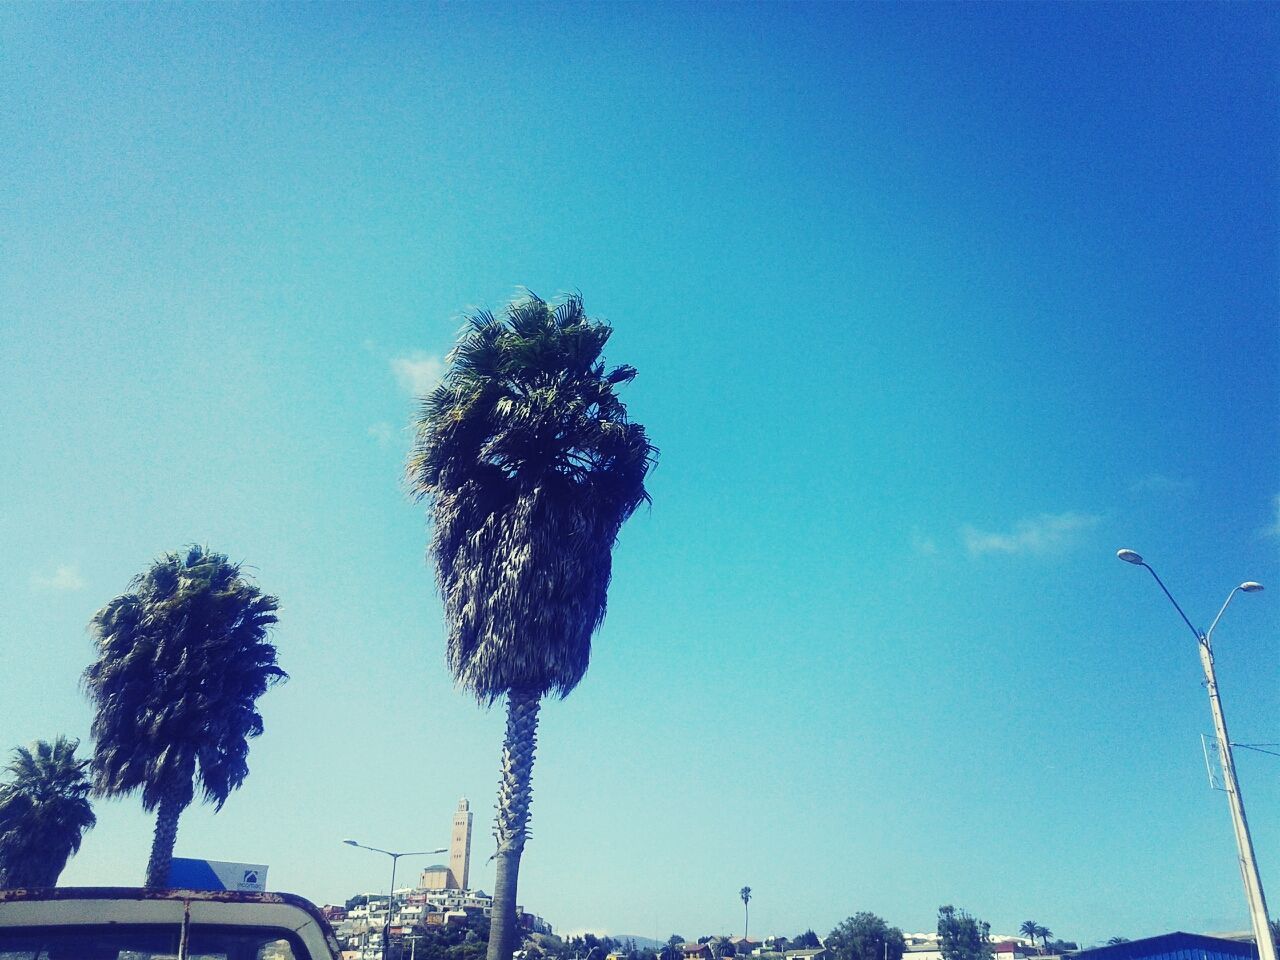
(391,899)
(1244,842)
(1240,825)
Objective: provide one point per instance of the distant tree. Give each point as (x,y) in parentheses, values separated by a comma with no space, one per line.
(1062,946)
(745,894)
(458,941)
(1114,940)
(962,937)
(1044,933)
(806,941)
(865,936)
(357,901)
(181,662)
(671,951)
(44,812)
(1030,929)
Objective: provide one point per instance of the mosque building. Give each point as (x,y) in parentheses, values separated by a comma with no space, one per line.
(457,873)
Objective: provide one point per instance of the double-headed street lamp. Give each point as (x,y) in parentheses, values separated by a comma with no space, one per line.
(391,899)
(1244,843)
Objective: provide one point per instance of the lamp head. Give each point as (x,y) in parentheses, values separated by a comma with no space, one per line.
(351,843)
(1129,556)
(1250,586)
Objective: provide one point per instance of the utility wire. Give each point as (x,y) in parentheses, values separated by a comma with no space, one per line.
(1258,748)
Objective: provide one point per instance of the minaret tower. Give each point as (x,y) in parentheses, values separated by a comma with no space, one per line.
(460,847)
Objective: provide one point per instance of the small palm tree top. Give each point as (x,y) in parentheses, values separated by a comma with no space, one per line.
(44,812)
(531,466)
(181,660)
(47,786)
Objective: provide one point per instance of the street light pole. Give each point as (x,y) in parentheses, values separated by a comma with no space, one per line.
(1244,841)
(391,896)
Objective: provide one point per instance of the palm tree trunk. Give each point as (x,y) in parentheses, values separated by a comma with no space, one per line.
(511,829)
(165,836)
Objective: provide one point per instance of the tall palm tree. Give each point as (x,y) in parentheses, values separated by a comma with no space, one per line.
(44,812)
(531,467)
(1030,929)
(745,894)
(181,662)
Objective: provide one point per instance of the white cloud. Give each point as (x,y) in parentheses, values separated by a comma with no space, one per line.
(1274,529)
(923,546)
(1162,484)
(418,373)
(65,577)
(1043,534)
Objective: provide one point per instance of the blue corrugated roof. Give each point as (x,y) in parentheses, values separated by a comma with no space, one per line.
(1194,946)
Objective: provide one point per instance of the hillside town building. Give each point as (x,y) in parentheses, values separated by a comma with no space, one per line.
(442,896)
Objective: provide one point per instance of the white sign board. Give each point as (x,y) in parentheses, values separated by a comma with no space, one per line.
(189,874)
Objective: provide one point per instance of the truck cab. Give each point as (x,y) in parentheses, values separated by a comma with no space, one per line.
(118,923)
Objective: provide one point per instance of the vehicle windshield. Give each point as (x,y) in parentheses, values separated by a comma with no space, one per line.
(116,942)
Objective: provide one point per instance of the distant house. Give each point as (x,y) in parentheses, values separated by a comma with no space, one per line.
(695,951)
(817,954)
(1008,950)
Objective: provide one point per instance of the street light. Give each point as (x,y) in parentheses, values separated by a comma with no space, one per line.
(1244,843)
(391,899)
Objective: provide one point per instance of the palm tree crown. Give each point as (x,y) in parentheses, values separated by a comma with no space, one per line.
(181,661)
(44,812)
(532,467)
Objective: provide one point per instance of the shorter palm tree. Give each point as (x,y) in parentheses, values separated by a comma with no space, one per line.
(44,812)
(181,662)
(1044,933)
(745,894)
(1029,929)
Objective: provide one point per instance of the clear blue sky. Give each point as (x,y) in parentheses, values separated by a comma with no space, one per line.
(934,308)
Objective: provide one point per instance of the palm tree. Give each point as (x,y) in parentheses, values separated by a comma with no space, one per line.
(531,467)
(44,812)
(745,894)
(1044,933)
(1030,929)
(181,662)
(1113,941)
